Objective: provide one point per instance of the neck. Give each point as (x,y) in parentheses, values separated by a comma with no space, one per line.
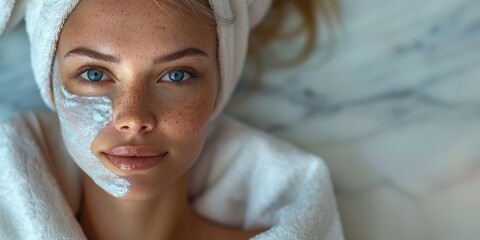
(166,216)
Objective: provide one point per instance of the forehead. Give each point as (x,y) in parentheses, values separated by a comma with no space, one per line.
(136,25)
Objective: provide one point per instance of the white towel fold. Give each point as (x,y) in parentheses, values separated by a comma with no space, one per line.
(252,181)
(255,180)
(32,205)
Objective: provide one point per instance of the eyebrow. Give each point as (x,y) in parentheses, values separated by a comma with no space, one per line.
(93,54)
(187,52)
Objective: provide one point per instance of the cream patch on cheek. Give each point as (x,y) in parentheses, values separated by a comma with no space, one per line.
(81,120)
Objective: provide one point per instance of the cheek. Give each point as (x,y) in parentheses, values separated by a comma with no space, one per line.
(191,114)
(81,119)
(186,120)
(190,117)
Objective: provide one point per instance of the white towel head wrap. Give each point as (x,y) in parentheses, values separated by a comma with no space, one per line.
(45,18)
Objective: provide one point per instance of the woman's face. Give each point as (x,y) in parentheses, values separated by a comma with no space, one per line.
(142,82)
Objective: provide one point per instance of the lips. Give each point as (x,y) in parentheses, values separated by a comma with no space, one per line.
(135,158)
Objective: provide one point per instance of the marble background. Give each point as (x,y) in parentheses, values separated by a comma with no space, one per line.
(395,113)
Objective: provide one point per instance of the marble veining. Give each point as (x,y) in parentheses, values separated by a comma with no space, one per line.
(395,114)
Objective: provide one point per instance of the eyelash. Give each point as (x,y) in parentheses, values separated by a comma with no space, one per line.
(83,69)
(190,71)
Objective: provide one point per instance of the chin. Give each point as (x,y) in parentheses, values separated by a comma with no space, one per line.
(138,196)
(144,188)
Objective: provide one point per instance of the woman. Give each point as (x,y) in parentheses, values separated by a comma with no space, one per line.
(138,87)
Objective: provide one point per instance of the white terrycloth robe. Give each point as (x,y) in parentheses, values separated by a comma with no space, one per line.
(243,178)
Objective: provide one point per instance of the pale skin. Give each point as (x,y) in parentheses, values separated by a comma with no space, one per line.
(135,56)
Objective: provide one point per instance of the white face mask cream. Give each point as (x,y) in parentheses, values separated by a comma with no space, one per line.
(81,120)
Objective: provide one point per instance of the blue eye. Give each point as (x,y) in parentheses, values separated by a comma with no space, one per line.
(176,76)
(94,75)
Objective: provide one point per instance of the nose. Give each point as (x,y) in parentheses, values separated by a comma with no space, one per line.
(132,112)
